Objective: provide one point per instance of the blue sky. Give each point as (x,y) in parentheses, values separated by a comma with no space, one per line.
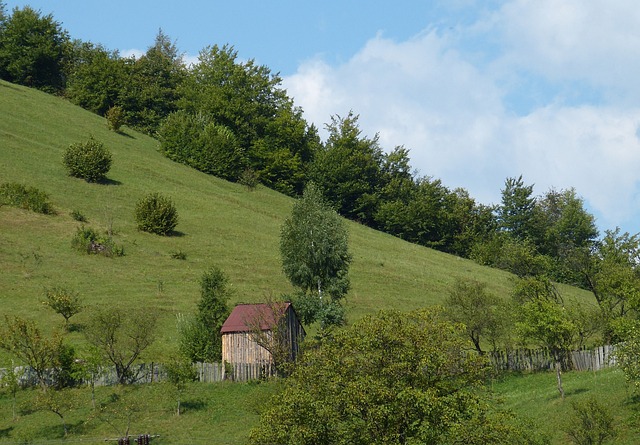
(477,90)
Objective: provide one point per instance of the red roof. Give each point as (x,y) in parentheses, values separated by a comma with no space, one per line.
(250,314)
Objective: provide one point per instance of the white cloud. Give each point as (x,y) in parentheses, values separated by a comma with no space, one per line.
(451,110)
(597,42)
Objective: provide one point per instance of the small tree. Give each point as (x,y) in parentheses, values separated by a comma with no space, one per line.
(545,322)
(64,302)
(115,118)
(180,371)
(200,337)
(156,214)
(10,382)
(24,340)
(470,303)
(627,352)
(122,336)
(315,257)
(88,160)
(590,423)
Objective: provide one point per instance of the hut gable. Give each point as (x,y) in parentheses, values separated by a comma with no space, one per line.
(248,333)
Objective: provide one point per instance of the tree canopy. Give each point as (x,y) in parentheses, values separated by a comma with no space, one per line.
(315,256)
(396,378)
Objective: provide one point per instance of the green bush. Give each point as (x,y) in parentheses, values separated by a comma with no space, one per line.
(88,160)
(115,118)
(23,197)
(156,214)
(78,216)
(89,241)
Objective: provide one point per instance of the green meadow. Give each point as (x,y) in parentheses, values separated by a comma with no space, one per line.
(222,224)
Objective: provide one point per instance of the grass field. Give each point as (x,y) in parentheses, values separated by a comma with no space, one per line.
(221,224)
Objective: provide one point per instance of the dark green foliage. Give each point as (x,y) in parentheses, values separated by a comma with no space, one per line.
(315,256)
(89,160)
(271,136)
(33,50)
(157,214)
(197,141)
(347,170)
(517,211)
(391,379)
(78,216)
(201,340)
(115,118)
(151,90)
(88,241)
(25,197)
(590,423)
(96,77)
(249,179)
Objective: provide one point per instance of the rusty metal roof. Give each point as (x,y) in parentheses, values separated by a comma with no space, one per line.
(243,316)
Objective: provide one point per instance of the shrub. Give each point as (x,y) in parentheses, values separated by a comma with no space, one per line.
(88,160)
(590,423)
(23,197)
(78,216)
(115,118)
(178,255)
(156,214)
(249,178)
(89,241)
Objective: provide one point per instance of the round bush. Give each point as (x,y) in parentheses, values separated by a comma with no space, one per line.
(156,214)
(88,160)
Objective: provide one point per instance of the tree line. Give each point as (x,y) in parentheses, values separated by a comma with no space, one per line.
(233,119)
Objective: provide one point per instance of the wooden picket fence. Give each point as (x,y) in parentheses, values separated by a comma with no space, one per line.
(521,360)
(155,372)
(529,360)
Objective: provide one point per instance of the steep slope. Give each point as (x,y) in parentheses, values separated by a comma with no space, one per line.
(220,224)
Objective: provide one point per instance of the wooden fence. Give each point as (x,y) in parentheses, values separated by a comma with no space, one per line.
(155,372)
(542,360)
(527,360)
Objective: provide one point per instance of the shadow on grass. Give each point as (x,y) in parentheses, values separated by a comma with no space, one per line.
(576,391)
(107,181)
(195,405)
(75,327)
(126,135)
(4,432)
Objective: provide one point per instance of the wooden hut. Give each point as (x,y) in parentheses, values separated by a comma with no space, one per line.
(254,333)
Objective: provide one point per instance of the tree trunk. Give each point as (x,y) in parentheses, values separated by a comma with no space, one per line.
(559,377)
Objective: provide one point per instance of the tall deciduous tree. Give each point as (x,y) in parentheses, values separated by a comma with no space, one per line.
(396,378)
(315,256)
(348,169)
(33,50)
(95,77)
(151,92)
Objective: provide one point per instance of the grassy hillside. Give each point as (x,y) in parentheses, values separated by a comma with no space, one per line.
(220,224)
